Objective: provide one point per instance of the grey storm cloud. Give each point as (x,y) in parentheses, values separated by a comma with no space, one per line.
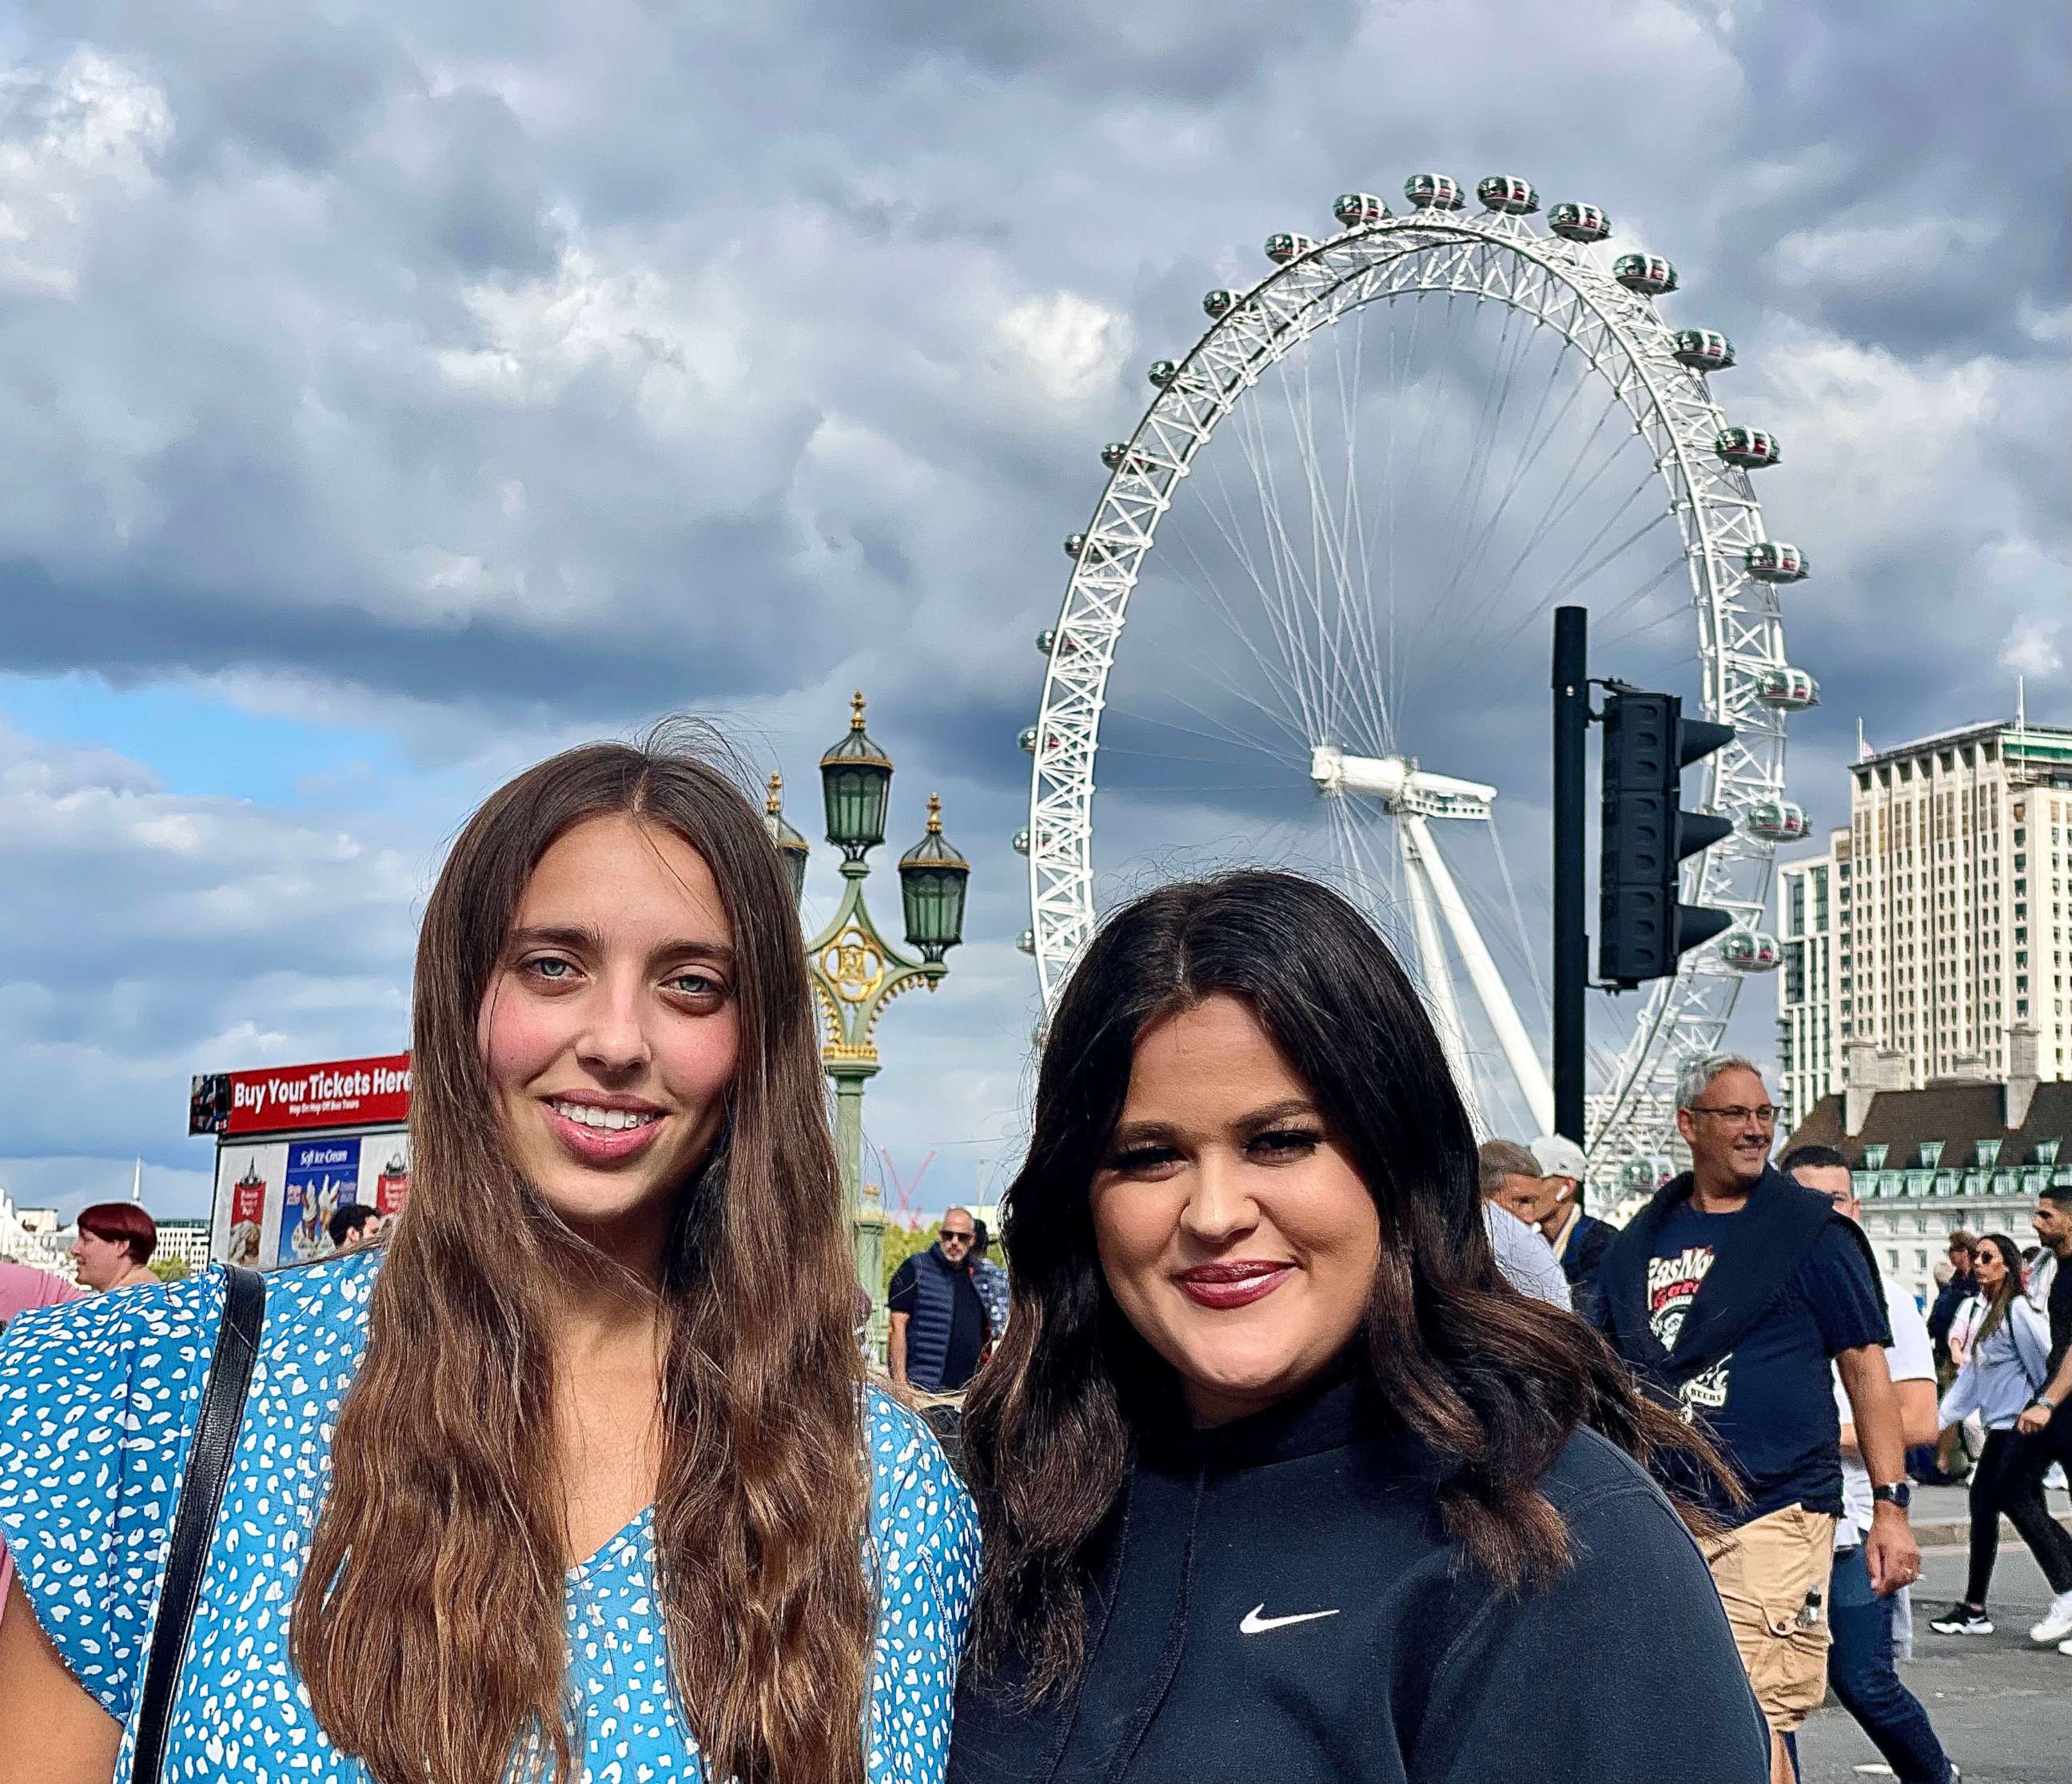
(513,372)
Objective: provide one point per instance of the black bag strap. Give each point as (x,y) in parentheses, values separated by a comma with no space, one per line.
(194,1520)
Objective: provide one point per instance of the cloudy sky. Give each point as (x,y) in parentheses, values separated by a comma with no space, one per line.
(395,393)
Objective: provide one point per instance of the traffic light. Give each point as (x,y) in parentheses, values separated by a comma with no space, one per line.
(1641,928)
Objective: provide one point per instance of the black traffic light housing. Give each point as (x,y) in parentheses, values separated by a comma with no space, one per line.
(1642,928)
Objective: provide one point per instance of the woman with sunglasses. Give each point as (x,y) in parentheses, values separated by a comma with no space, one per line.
(576,1473)
(1278,1479)
(2007,1366)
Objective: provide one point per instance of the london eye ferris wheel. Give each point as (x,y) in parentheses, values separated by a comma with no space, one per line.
(1306,623)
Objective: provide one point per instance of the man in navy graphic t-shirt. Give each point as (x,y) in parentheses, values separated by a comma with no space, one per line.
(1730,1294)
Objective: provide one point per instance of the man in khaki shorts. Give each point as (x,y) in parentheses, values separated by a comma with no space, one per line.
(1730,1294)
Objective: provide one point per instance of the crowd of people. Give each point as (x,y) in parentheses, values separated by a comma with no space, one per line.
(1300,1438)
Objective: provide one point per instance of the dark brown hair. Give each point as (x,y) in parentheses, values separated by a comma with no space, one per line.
(1495,1382)
(2004,1297)
(122,1223)
(429,1622)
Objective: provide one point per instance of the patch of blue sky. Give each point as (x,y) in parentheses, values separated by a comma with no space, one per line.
(199,743)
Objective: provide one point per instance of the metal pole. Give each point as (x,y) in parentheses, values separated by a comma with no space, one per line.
(865,1212)
(1571,947)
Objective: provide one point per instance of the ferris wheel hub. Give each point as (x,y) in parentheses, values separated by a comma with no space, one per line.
(1398,785)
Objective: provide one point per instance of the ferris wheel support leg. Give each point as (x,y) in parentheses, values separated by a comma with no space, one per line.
(1519,1052)
(1431,958)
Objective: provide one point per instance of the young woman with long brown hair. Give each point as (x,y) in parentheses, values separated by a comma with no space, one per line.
(577,1475)
(1279,1478)
(2006,1366)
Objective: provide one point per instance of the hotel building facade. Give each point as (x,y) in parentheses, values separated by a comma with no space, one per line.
(1937,923)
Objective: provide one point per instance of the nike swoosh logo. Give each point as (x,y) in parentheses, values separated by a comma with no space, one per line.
(1256,1624)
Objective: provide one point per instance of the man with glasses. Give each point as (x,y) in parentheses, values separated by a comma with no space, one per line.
(1730,1294)
(939,1324)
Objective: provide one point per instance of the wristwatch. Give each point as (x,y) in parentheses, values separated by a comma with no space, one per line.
(1902,1495)
(2046,1401)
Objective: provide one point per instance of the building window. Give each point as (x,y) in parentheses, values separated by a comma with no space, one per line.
(1989,1154)
(1874,1157)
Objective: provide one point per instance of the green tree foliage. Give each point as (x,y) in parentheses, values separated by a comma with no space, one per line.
(168,1269)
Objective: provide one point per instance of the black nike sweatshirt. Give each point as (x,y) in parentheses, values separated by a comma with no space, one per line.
(1276,1602)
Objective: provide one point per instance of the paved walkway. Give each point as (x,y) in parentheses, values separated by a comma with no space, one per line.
(2002,1708)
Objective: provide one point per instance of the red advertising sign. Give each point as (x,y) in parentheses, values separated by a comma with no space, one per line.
(284,1098)
(248,1196)
(391,1186)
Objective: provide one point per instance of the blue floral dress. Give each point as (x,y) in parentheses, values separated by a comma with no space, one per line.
(97,1405)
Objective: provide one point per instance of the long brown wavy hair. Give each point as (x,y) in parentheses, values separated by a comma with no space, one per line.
(1496,1383)
(1998,1303)
(429,1623)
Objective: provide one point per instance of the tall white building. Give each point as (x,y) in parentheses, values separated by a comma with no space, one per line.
(1808,902)
(1948,917)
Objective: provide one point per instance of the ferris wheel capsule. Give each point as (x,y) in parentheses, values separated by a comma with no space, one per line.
(1119,456)
(1218,304)
(1047,641)
(1026,739)
(1354,208)
(1163,372)
(1649,274)
(1432,192)
(1750,448)
(1287,246)
(1704,350)
(1507,194)
(1777,821)
(1021,842)
(1750,951)
(1773,561)
(1579,222)
(1787,689)
(1026,941)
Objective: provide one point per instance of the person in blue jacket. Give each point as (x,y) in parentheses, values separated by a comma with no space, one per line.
(1279,1477)
(576,1474)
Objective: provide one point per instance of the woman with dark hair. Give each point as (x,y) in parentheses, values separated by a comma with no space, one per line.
(114,1247)
(1279,1478)
(2008,1364)
(576,1474)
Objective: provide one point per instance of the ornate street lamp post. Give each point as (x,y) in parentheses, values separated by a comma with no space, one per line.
(855,971)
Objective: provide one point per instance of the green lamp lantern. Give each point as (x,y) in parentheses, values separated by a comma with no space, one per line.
(855,970)
(792,848)
(932,880)
(856,776)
